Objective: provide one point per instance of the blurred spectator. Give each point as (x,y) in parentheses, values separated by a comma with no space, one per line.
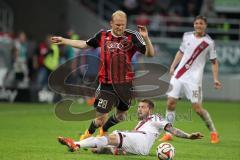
(66,53)
(163,6)
(156,23)
(173,24)
(176,7)
(72,34)
(5,60)
(148,6)
(32,60)
(130,7)
(191,7)
(48,60)
(19,59)
(5,38)
(142,19)
(208,9)
(223,28)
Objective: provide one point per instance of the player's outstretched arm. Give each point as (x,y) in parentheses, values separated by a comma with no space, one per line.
(74,43)
(149,47)
(179,133)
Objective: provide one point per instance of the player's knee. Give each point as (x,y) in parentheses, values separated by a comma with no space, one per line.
(171,104)
(198,109)
(100,121)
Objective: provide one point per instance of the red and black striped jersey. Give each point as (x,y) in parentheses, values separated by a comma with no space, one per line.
(116,54)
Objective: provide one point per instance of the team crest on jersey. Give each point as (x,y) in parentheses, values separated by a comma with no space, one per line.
(123,45)
(201,46)
(187,66)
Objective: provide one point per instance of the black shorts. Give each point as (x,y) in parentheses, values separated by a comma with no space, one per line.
(108,95)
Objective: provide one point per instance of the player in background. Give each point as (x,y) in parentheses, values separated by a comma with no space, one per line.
(118,45)
(187,71)
(140,140)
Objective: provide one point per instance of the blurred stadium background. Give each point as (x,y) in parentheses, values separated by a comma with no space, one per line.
(25,27)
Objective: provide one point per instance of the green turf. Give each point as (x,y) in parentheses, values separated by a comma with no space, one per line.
(29,131)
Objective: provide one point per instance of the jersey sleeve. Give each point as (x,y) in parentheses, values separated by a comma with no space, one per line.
(95,40)
(183,45)
(139,42)
(160,122)
(212,51)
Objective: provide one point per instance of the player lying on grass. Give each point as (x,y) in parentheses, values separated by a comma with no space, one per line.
(140,140)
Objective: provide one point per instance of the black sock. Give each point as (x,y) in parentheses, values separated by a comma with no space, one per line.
(92,128)
(110,122)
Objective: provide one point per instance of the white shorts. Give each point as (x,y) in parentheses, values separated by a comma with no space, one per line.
(193,92)
(134,142)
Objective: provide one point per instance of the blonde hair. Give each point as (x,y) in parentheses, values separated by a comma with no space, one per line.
(120,13)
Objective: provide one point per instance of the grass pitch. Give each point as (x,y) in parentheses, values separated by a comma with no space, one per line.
(29,132)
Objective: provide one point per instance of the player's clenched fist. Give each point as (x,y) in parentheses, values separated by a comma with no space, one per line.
(57,40)
(217,84)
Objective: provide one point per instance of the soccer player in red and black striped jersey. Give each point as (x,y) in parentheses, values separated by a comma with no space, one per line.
(118,45)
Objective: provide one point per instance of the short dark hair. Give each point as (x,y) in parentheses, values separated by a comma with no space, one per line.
(200,17)
(149,102)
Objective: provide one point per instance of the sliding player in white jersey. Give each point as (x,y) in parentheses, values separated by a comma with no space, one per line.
(187,71)
(140,140)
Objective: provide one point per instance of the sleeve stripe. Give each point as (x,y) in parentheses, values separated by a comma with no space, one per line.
(139,37)
(181,51)
(95,35)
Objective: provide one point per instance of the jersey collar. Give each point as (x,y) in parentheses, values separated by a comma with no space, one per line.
(194,32)
(115,35)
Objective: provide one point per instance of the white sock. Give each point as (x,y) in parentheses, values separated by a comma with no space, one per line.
(92,142)
(170,116)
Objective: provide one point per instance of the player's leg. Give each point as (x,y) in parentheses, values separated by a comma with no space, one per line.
(96,123)
(104,101)
(90,142)
(170,117)
(205,116)
(119,116)
(194,93)
(171,107)
(138,143)
(122,107)
(173,95)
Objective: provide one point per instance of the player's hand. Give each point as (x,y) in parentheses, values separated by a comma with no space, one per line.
(196,135)
(57,40)
(143,31)
(217,84)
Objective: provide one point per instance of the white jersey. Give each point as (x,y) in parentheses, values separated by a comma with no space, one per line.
(195,53)
(154,124)
(140,140)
